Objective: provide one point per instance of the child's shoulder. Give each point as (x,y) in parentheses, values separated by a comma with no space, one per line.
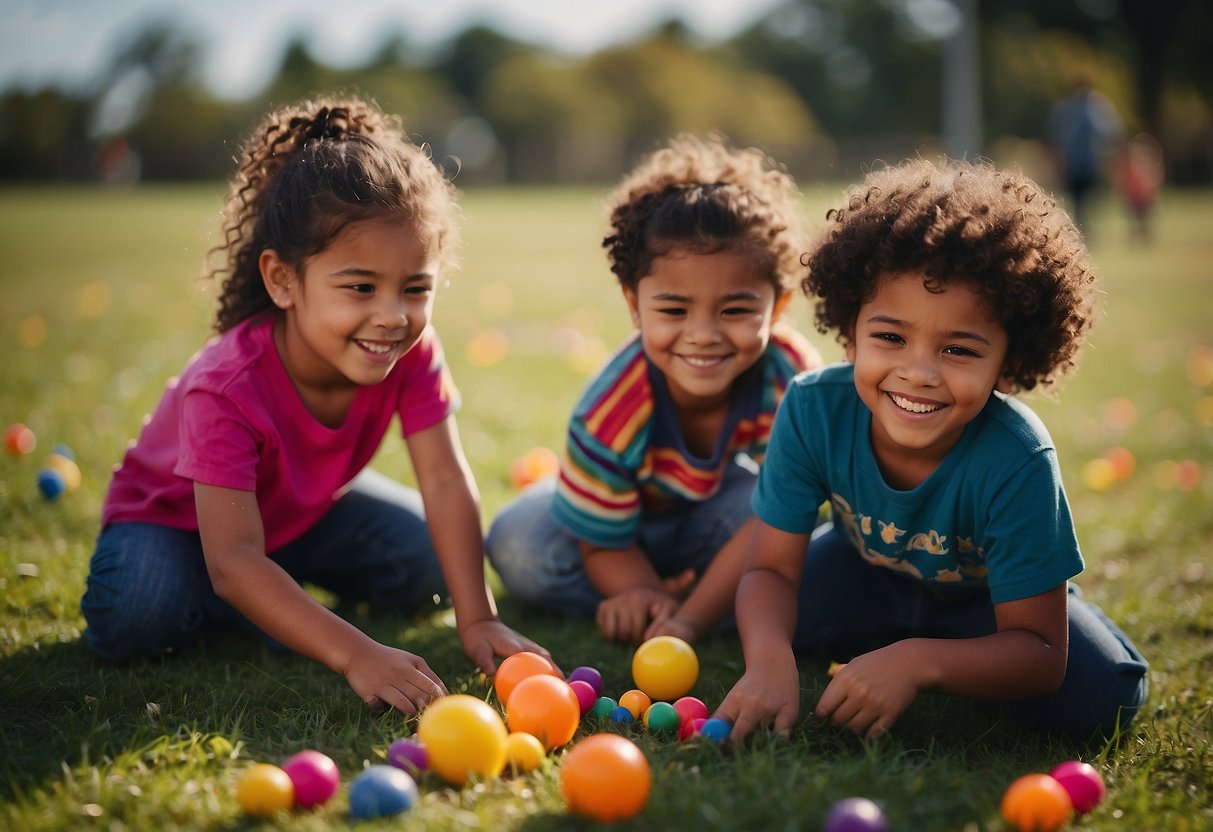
(1014,422)
(619,398)
(227,359)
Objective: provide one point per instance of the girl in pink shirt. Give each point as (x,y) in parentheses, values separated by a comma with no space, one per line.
(250,478)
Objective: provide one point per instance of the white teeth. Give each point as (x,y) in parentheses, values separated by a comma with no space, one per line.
(914,407)
(700,362)
(378,349)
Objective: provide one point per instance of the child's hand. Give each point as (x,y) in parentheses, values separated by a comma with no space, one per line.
(670,626)
(869,693)
(625,616)
(384,676)
(486,640)
(764,694)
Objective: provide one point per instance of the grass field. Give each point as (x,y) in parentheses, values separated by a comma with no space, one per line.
(100,306)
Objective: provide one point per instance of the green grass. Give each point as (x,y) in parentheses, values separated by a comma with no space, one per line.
(111,274)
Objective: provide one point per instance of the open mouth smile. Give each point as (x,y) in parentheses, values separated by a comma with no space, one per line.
(911,406)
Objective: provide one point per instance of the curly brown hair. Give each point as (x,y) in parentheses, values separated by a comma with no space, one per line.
(962,221)
(702,196)
(306,172)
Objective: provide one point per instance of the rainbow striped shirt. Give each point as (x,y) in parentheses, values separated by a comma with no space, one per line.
(625,455)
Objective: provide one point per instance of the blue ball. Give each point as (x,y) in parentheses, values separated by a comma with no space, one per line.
(621,715)
(51,483)
(382,790)
(715,730)
(855,814)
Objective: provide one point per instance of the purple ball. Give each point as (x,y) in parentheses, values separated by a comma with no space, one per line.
(587,674)
(409,755)
(855,814)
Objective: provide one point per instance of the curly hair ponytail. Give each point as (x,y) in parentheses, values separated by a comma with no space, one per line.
(307,171)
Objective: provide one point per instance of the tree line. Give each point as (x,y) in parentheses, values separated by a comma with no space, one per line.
(827,86)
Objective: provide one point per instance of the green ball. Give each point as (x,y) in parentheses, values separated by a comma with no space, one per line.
(661,716)
(603,707)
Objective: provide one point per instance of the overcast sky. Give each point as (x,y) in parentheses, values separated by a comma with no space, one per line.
(67,42)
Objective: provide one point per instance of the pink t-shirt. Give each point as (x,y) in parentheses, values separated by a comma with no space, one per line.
(233,419)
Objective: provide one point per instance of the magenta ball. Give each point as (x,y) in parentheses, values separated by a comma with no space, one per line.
(589,675)
(1082,783)
(409,755)
(315,776)
(855,814)
(586,695)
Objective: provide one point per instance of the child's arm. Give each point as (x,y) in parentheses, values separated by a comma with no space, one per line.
(1025,658)
(769,691)
(634,594)
(233,542)
(713,597)
(452,513)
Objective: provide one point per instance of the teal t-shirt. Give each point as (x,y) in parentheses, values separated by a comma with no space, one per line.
(993,512)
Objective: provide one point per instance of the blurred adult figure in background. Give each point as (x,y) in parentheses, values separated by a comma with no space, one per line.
(1084,129)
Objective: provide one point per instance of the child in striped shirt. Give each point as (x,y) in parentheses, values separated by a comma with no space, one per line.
(644,528)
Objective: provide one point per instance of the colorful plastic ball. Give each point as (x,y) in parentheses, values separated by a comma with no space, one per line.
(688,708)
(585,693)
(523,752)
(517,667)
(661,716)
(1082,783)
(589,675)
(381,790)
(534,465)
(665,667)
(546,708)
(621,715)
(603,707)
(315,777)
(265,789)
(51,483)
(67,469)
(19,440)
(636,701)
(463,737)
(606,778)
(1036,803)
(855,814)
(64,451)
(409,755)
(715,730)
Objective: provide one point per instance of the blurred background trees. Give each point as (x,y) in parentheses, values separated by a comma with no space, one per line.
(825,85)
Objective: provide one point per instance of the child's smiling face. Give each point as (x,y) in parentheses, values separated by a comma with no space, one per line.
(925,365)
(704,319)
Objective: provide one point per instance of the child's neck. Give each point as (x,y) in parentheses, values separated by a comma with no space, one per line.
(701,428)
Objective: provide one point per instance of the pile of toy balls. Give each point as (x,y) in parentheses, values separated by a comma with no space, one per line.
(59,473)
(1045,802)
(310,779)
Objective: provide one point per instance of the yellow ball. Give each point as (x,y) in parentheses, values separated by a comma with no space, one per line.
(464,737)
(523,752)
(69,470)
(665,668)
(265,789)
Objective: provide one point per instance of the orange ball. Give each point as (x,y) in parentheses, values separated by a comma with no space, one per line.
(517,667)
(636,701)
(536,464)
(1036,803)
(546,708)
(19,440)
(606,778)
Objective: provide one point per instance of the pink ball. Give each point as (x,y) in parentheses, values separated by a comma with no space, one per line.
(315,776)
(1082,782)
(586,695)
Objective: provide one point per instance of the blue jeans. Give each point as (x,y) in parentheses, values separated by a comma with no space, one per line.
(539,561)
(848,607)
(148,590)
